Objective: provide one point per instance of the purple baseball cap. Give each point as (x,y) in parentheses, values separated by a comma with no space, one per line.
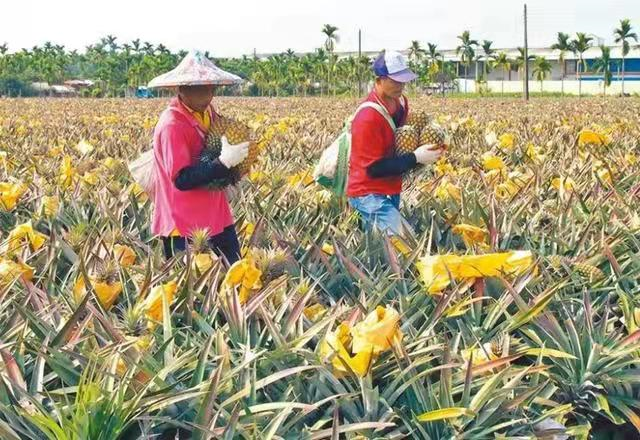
(394,65)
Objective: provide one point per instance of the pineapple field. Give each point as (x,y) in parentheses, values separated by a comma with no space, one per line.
(513,313)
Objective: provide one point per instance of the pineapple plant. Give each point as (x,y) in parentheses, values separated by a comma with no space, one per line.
(273,263)
(407,139)
(201,255)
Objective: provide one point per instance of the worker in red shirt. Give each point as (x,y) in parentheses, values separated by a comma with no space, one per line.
(375,172)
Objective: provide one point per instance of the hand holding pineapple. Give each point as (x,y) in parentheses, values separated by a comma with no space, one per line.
(422,137)
(232,155)
(428,153)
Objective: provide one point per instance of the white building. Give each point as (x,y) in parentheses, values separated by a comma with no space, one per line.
(560,78)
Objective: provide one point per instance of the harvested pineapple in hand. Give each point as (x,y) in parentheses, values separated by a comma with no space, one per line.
(419,130)
(236,133)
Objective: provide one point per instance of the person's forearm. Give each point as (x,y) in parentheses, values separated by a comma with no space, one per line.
(201,174)
(392,166)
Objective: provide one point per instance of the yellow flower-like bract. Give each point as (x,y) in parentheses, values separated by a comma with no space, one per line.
(437,271)
(24,233)
(244,275)
(377,332)
(124,254)
(328,249)
(10,193)
(67,172)
(443,167)
(152,304)
(506,141)
(356,347)
(106,293)
(591,138)
(335,347)
(303,178)
(492,162)
(314,312)
(471,235)
(90,178)
(400,245)
(447,190)
(11,271)
(203,261)
(563,183)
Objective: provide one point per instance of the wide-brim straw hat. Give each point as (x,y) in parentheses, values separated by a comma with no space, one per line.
(194,70)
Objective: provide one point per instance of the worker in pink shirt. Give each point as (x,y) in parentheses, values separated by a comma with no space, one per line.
(182,201)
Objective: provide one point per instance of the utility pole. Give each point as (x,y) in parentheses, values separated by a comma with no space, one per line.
(358,63)
(526,57)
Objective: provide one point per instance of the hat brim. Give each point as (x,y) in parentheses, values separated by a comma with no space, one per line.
(404,76)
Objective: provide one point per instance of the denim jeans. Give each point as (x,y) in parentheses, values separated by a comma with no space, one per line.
(381,211)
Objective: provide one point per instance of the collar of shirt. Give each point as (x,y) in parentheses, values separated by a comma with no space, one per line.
(203,118)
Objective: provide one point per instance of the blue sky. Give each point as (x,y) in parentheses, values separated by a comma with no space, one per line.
(232,28)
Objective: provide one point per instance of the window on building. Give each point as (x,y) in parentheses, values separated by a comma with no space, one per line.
(570,67)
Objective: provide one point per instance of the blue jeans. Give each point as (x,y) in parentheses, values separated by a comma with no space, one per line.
(380,211)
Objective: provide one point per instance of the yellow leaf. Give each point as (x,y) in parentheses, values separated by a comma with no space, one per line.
(445,413)
(548,352)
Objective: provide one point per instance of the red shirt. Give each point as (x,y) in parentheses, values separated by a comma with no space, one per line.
(372,139)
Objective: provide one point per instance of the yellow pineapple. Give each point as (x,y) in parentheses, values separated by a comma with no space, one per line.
(407,139)
(236,133)
(419,119)
(432,134)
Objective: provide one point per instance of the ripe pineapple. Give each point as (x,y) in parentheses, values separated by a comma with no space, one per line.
(432,134)
(236,133)
(419,119)
(407,139)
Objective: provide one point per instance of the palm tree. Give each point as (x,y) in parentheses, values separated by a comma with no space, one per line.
(504,63)
(489,54)
(622,35)
(564,46)
(332,37)
(330,32)
(580,45)
(432,53)
(541,68)
(467,53)
(603,65)
(416,52)
(520,62)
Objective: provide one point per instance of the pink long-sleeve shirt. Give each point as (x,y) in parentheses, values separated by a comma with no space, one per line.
(178,140)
